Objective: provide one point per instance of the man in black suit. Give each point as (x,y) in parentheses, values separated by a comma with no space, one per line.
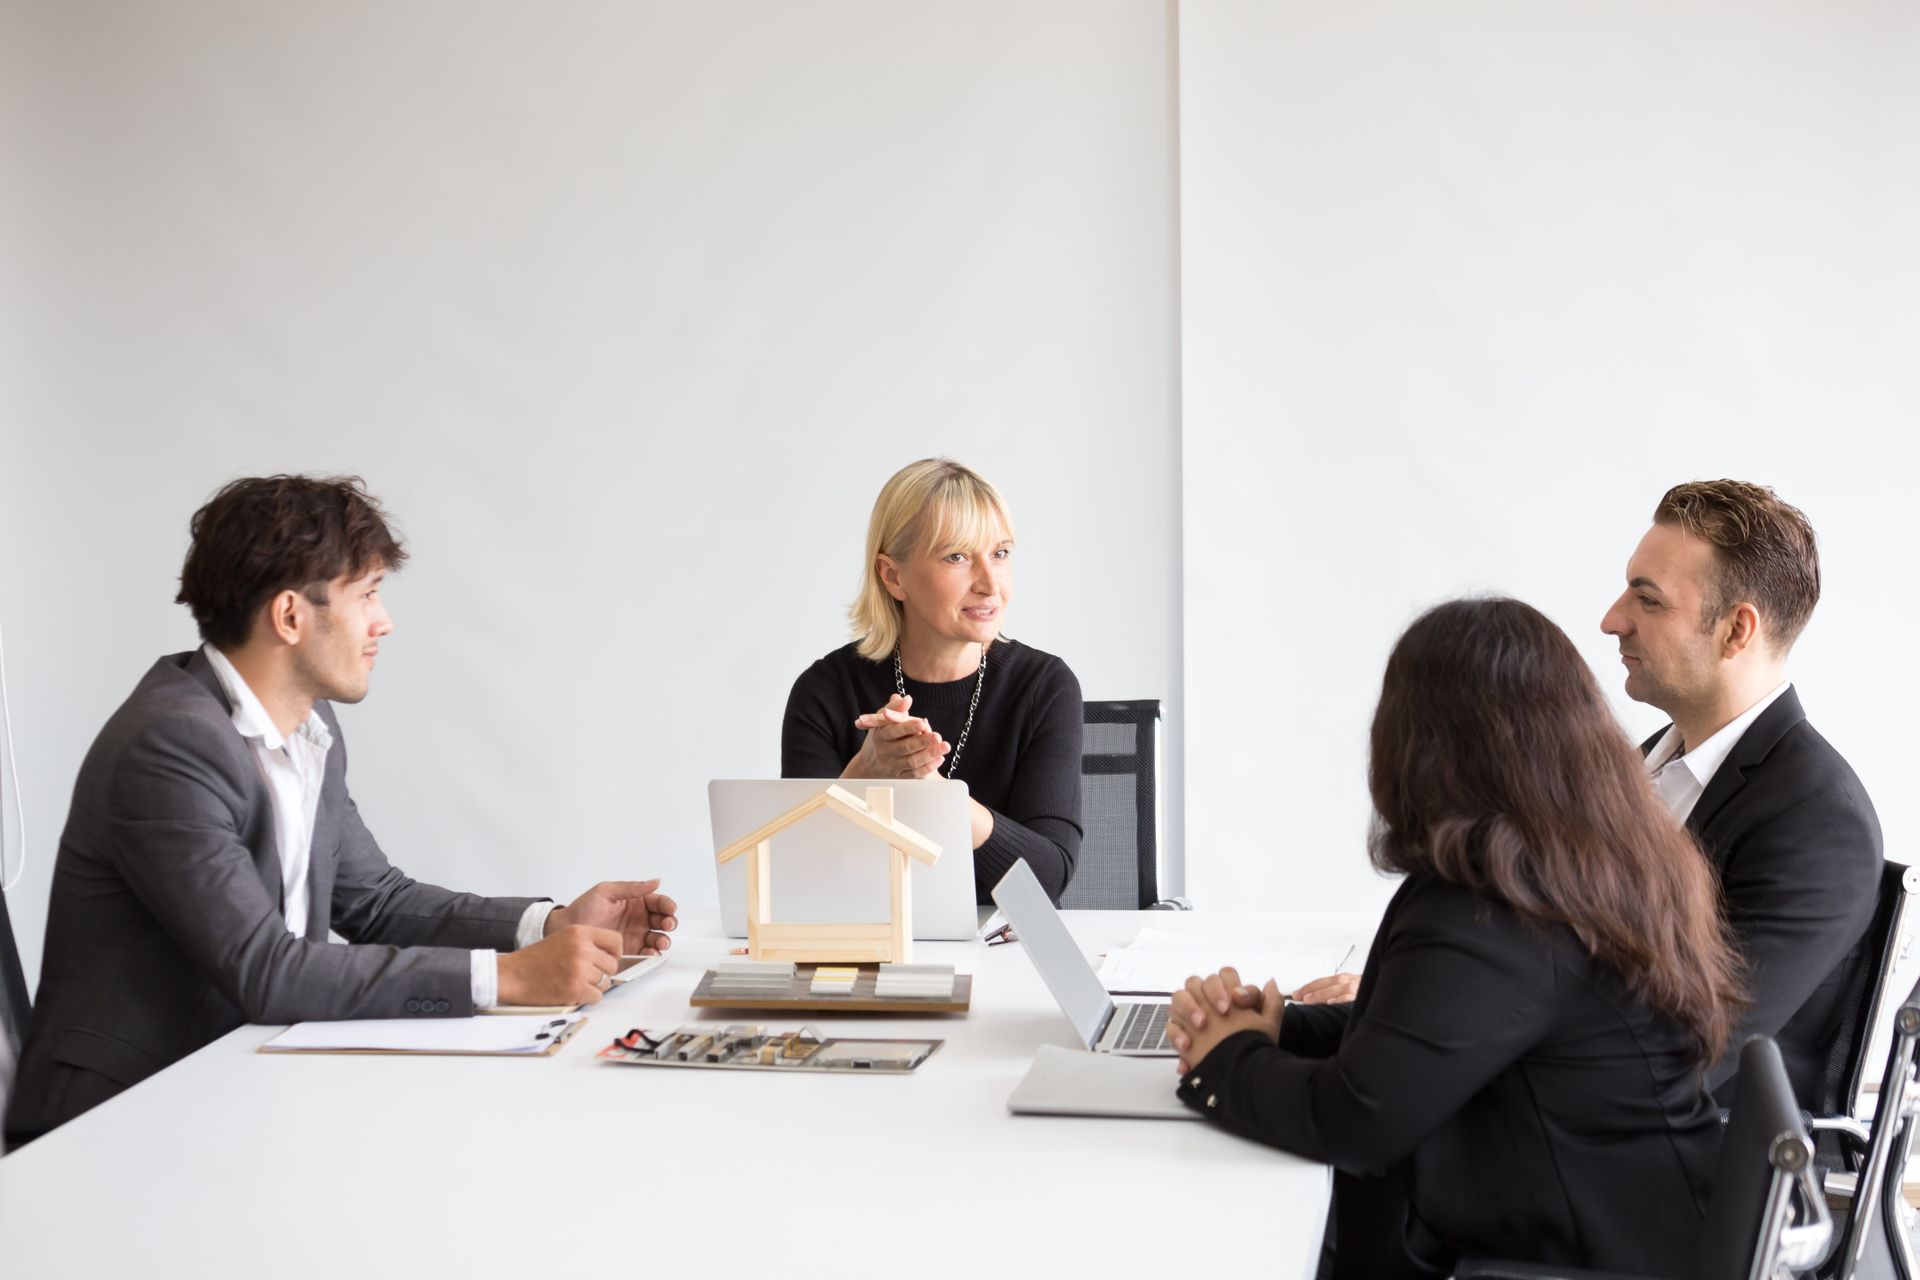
(1717,592)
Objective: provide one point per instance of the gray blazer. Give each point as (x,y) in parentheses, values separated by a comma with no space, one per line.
(165,930)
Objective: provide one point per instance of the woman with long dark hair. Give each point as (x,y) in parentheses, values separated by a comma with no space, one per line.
(1520,1073)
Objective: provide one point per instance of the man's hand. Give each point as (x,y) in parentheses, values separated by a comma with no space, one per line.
(631,908)
(1211,1009)
(1338,988)
(898,745)
(571,965)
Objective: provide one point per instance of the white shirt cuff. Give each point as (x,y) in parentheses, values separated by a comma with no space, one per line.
(486,964)
(533,924)
(486,979)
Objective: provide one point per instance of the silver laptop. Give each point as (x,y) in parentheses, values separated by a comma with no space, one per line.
(827,872)
(1072,1082)
(1137,1030)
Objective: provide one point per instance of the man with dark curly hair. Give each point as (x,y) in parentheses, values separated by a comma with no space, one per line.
(212,843)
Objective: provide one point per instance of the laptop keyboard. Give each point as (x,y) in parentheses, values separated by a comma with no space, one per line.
(1145,1028)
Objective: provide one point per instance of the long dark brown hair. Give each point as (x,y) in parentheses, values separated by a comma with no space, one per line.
(1497,765)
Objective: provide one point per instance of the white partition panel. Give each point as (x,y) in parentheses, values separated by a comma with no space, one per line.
(1465,288)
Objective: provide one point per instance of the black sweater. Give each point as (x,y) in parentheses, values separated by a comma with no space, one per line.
(1494,1091)
(1022,760)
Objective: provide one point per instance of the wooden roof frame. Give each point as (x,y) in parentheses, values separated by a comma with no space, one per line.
(898,835)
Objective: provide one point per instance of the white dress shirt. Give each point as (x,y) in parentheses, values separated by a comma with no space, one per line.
(294,768)
(1681,779)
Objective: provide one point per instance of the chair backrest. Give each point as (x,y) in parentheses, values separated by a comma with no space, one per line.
(1875,1242)
(1119,809)
(1768,1213)
(14,1006)
(1864,994)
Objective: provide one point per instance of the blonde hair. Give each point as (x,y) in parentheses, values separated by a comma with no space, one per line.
(933,504)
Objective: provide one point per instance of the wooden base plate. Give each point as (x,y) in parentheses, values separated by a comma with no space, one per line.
(799,996)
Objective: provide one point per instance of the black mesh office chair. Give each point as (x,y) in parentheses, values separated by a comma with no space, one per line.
(1119,868)
(1864,994)
(14,1006)
(1876,1242)
(1767,1216)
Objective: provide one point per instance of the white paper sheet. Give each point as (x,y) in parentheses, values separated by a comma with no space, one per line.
(529,1034)
(1161,961)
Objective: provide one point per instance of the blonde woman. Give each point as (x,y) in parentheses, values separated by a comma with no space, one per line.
(930,686)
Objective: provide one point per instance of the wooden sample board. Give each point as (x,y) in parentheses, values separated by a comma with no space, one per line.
(799,996)
(830,1054)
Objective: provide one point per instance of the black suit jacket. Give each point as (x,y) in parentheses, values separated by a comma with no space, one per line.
(1797,845)
(1493,1091)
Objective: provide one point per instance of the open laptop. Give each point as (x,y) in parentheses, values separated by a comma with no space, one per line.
(1136,1030)
(828,872)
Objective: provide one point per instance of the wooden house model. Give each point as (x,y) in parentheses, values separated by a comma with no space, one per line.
(888,943)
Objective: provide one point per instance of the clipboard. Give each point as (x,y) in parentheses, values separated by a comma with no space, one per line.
(508,1036)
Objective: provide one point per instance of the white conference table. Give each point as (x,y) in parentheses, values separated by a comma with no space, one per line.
(233,1162)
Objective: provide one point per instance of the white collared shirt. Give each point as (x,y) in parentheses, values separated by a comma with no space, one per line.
(294,769)
(1680,780)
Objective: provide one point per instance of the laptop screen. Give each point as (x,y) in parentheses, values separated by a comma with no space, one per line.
(1055,954)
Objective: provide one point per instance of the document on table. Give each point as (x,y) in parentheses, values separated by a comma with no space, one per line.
(1159,961)
(516,1035)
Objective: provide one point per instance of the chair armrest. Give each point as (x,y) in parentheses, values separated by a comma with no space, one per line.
(1846,1126)
(1853,1131)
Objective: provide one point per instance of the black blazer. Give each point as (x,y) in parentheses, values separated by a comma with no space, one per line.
(1797,845)
(1494,1090)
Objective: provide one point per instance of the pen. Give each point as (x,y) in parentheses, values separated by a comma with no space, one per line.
(1344,958)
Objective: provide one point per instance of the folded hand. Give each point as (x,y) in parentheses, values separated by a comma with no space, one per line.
(898,744)
(1209,1010)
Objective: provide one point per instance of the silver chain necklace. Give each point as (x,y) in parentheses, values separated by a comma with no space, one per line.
(979,682)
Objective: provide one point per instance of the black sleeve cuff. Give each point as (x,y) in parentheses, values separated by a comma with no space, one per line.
(1314,1030)
(1201,1087)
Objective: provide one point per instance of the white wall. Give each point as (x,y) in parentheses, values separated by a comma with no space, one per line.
(627,311)
(1465,288)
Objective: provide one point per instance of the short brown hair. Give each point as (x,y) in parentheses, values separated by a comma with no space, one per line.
(1764,548)
(263,535)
